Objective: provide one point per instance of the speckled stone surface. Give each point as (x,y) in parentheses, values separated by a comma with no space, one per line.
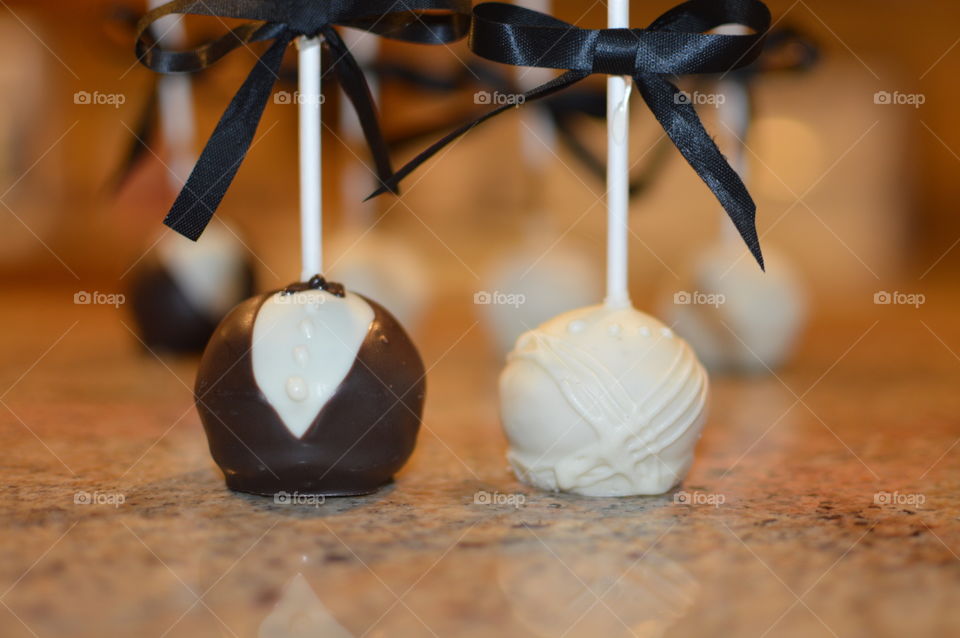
(823,502)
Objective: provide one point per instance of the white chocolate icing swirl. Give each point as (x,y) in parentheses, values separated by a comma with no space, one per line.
(639,390)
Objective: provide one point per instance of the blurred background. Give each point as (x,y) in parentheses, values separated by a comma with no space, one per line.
(856,193)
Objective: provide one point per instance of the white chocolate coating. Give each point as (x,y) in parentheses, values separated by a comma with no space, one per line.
(544,281)
(602,402)
(304,344)
(382,267)
(756,326)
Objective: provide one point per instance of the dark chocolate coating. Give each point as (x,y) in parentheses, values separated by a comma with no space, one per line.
(164,318)
(360,438)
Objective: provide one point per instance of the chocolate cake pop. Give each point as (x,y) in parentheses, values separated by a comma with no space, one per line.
(179,294)
(182,290)
(310,389)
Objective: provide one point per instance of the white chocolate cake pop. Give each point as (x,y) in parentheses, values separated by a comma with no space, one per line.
(743,320)
(602,401)
(384,268)
(544,282)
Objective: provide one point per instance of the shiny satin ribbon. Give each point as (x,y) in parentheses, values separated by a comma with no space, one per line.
(282,21)
(674,44)
(564,110)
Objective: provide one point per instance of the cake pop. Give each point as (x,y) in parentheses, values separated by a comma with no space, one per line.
(602,401)
(180,293)
(310,389)
(755,319)
(605,400)
(182,289)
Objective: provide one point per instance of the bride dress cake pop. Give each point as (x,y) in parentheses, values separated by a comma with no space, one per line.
(605,400)
(310,389)
(602,401)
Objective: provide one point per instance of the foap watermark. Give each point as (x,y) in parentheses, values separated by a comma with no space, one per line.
(896,498)
(86,98)
(116,499)
(301,298)
(496,98)
(897,298)
(97,298)
(696,98)
(899,99)
(296,97)
(684,497)
(296,498)
(483,497)
(497,298)
(697,298)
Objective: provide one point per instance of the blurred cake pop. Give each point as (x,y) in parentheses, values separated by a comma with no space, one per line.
(180,294)
(533,282)
(383,267)
(737,318)
(540,278)
(370,260)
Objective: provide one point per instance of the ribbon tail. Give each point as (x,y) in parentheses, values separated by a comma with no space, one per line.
(226,148)
(683,126)
(557,84)
(355,86)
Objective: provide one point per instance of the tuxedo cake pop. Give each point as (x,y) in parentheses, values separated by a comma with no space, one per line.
(179,295)
(311,389)
(602,401)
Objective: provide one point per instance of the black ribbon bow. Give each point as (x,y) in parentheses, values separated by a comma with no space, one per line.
(674,44)
(422,21)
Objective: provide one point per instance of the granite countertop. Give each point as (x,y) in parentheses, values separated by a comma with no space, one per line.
(822,502)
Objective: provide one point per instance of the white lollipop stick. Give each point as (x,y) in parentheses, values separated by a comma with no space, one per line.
(618,168)
(175,104)
(311,187)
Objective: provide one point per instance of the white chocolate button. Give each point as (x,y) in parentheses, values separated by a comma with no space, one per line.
(297,389)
